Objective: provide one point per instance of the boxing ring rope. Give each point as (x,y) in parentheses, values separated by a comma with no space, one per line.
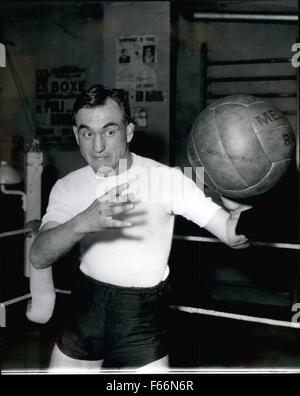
(245,318)
(244,17)
(25,231)
(277,245)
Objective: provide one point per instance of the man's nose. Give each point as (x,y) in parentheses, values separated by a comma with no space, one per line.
(98,144)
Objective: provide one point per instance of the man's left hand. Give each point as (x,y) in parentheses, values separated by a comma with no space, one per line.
(235,209)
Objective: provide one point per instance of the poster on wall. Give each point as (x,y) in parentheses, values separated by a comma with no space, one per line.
(137,73)
(55,90)
(136,62)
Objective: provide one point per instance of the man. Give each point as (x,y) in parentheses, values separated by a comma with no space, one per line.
(148,54)
(124,58)
(121,208)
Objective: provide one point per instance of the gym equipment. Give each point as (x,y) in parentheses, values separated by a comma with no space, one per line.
(244,144)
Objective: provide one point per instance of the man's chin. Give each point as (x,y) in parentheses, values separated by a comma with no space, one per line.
(100,166)
(105,171)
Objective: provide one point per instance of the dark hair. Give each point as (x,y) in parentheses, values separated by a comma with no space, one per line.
(97,95)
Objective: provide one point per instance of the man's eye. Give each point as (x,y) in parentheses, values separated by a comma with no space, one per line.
(87,135)
(110,132)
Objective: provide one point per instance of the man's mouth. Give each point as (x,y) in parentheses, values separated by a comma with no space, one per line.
(99,157)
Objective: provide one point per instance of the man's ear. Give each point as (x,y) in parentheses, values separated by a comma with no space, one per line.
(75,130)
(129,131)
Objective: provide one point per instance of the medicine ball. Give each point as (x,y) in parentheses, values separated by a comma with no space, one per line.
(244,144)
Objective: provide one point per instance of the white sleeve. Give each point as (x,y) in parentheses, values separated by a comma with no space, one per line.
(189,201)
(60,205)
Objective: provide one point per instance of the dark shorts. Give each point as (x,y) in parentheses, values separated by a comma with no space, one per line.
(125,326)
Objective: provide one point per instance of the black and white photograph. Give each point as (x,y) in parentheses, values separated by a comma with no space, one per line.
(149,54)
(149,190)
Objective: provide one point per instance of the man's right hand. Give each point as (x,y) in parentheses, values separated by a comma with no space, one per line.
(99,215)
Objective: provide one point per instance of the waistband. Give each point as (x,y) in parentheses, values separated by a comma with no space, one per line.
(124,289)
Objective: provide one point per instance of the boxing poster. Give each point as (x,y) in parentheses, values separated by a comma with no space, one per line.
(56,89)
(136,62)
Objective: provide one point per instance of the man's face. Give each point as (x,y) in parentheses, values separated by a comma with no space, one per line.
(103,136)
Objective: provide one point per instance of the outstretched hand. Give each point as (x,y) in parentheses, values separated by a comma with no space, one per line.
(99,215)
(235,209)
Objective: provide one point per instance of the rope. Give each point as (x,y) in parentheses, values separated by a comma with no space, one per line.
(16,232)
(277,245)
(246,318)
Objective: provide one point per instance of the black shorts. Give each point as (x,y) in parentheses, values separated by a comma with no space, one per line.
(125,326)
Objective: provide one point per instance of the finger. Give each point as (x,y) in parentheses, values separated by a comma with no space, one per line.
(233,221)
(133,179)
(124,198)
(116,191)
(241,245)
(111,194)
(234,217)
(229,204)
(112,223)
(241,239)
(245,207)
(233,205)
(117,209)
(133,198)
(241,242)
(119,189)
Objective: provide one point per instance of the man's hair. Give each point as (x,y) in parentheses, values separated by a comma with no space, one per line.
(97,95)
